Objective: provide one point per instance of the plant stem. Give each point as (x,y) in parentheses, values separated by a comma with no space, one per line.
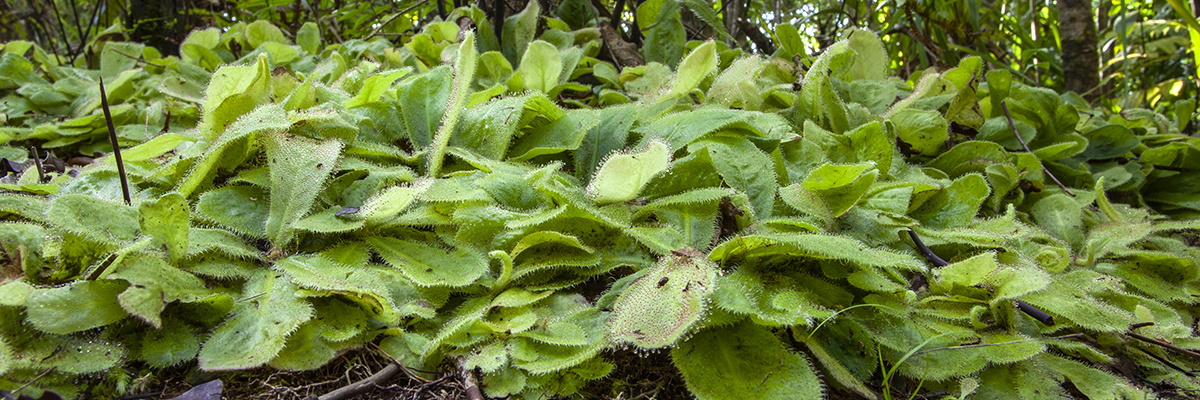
(367,384)
(1168,363)
(1013,126)
(393,18)
(35,379)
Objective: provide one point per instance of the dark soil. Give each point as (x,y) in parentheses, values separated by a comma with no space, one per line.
(635,376)
(644,376)
(270,384)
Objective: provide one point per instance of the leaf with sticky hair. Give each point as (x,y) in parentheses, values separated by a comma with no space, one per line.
(297,166)
(622,175)
(95,219)
(744,361)
(428,265)
(464,70)
(258,326)
(638,315)
(167,220)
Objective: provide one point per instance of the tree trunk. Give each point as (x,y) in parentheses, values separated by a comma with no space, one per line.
(1081,60)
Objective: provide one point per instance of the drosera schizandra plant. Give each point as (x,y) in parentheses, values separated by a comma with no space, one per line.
(362,195)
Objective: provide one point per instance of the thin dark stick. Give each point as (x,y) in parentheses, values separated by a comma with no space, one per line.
(407,370)
(925,251)
(37,162)
(498,21)
(78,25)
(1013,126)
(91,24)
(1163,344)
(1140,325)
(337,28)
(1169,364)
(112,137)
(35,379)
(615,21)
(37,23)
(1041,316)
(363,385)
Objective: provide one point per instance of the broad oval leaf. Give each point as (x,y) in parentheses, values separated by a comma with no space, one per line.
(623,175)
(744,361)
(76,307)
(428,265)
(663,304)
(258,327)
(698,64)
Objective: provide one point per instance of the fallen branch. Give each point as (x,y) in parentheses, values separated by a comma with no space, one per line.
(1187,373)
(470,385)
(1163,344)
(34,380)
(364,385)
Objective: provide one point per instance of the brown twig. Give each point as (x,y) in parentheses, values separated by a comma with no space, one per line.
(112,137)
(363,385)
(407,371)
(1013,126)
(1163,344)
(470,384)
(1169,364)
(167,123)
(103,266)
(35,379)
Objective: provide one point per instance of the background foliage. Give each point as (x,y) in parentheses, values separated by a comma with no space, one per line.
(525,193)
(1147,49)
